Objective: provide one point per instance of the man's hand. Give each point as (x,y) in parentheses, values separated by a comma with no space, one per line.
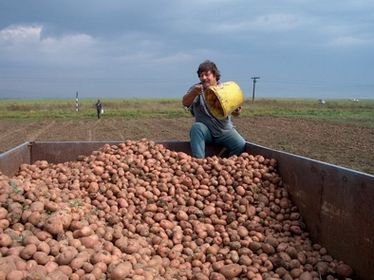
(190,96)
(198,89)
(237,111)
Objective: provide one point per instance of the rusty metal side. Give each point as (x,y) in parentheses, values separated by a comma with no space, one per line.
(12,159)
(336,204)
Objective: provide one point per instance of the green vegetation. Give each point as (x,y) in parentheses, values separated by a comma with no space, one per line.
(65,109)
(338,111)
(342,111)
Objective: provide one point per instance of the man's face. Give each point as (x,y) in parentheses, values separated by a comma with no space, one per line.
(207,79)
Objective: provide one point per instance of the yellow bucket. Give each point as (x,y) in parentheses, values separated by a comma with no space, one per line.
(223,99)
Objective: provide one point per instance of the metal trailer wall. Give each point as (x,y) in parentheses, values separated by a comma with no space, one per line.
(336,203)
(12,159)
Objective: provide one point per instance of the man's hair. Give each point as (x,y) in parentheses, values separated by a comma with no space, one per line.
(208,65)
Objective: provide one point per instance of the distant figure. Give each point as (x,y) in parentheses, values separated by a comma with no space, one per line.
(99,108)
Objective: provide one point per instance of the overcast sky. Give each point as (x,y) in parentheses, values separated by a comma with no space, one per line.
(151,49)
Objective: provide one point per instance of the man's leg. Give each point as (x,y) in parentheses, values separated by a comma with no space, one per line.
(233,141)
(199,135)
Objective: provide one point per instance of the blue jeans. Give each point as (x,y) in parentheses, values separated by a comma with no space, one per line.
(200,135)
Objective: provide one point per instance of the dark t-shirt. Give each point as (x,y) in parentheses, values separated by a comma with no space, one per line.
(99,106)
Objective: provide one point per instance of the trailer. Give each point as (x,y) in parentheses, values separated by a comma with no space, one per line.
(336,203)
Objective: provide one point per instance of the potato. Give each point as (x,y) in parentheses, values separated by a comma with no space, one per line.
(66,256)
(7,264)
(344,270)
(58,275)
(51,266)
(4,223)
(306,276)
(216,276)
(41,258)
(101,256)
(121,271)
(231,270)
(28,251)
(3,213)
(16,275)
(5,240)
(54,225)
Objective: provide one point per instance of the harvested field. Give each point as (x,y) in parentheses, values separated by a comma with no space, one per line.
(342,144)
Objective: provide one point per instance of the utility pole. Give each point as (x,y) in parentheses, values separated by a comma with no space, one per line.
(254,87)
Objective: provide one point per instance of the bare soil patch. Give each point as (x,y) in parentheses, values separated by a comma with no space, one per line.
(344,145)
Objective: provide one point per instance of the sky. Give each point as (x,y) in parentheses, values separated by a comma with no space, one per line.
(152,49)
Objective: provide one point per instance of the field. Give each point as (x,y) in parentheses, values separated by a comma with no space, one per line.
(338,132)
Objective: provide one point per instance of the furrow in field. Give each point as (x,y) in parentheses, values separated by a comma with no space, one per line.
(10,132)
(34,134)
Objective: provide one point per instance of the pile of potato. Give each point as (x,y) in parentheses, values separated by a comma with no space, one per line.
(141,211)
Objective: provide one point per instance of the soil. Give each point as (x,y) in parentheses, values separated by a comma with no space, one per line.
(345,145)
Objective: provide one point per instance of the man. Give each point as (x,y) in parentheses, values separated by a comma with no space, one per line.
(99,108)
(207,128)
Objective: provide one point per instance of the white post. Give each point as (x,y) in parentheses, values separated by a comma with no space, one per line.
(76,102)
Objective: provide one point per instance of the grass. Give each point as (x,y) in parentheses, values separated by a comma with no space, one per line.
(338,111)
(65,109)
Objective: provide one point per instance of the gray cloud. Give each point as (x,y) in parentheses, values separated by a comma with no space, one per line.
(152,48)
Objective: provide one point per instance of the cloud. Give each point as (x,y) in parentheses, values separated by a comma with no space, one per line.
(27,44)
(349,41)
(176,58)
(20,34)
(277,22)
(347,34)
(268,23)
(125,40)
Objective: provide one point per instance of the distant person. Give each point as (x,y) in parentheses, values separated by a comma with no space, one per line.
(207,128)
(99,108)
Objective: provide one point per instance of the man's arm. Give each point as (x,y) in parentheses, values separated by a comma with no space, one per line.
(190,96)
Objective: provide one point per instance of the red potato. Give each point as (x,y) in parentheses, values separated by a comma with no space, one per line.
(7,264)
(121,271)
(41,258)
(51,266)
(14,251)
(344,270)
(16,275)
(28,251)
(3,213)
(54,225)
(58,275)
(5,240)
(4,224)
(67,255)
(101,256)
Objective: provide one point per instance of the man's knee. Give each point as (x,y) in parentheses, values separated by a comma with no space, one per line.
(238,147)
(198,128)
(236,143)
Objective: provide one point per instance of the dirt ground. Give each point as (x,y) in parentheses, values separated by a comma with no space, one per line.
(344,145)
